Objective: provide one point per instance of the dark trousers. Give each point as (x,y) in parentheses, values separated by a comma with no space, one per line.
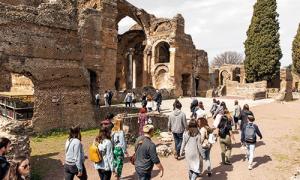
(127,104)
(158,107)
(178,142)
(104,175)
(97,102)
(143,176)
(71,171)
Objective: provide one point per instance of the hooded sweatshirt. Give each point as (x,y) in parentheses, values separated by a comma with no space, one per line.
(177,121)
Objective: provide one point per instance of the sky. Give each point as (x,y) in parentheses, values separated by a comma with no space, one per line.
(221,25)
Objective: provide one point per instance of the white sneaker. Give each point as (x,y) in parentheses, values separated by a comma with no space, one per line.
(250,167)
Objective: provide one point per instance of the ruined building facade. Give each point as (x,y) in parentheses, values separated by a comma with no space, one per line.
(71,49)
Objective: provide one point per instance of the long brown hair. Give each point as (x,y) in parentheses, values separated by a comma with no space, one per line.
(202,122)
(193,128)
(104,133)
(75,133)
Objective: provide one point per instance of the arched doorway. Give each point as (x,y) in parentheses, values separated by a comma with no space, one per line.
(224,76)
(130,59)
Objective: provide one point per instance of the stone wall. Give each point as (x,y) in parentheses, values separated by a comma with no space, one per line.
(253,91)
(17,132)
(69,50)
(159,122)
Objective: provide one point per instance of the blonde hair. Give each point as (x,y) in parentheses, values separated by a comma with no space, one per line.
(118,125)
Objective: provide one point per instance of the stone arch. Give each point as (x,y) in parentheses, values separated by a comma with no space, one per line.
(162,77)
(224,76)
(162,52)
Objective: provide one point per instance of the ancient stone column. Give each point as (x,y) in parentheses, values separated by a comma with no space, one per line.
(133,73)
(130,68)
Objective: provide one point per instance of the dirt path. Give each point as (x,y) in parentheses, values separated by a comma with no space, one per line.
(276,156)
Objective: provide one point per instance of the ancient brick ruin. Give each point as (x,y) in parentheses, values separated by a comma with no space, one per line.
(71,49)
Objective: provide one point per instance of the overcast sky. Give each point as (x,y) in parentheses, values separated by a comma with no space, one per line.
(220,25)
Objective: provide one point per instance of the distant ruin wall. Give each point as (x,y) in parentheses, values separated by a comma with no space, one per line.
(254,91)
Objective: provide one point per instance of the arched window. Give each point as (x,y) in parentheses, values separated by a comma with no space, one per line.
(162,52)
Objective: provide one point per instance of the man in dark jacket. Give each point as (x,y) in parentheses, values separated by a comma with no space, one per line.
(158,100)
(4,164)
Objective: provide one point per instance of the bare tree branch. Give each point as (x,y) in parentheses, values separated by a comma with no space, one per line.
(228,57)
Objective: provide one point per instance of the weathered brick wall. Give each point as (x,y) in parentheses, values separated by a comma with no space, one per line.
(255,90)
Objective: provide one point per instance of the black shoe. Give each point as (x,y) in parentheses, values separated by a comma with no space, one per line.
(227,163)
(209,174)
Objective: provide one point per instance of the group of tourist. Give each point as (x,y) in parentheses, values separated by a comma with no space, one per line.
(193,141)
(108,95)
(108,151)
(130,100)
(18,169)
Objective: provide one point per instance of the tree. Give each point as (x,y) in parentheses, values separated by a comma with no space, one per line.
(228,57)
(262,48)
(296,52)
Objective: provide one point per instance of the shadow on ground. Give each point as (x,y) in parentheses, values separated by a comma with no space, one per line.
(46,167)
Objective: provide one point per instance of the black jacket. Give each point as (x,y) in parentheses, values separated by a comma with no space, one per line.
(4,167)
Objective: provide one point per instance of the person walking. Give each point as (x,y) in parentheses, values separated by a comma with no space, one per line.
(105,167)
(146,155)
(128,99)
(97,99)
(106,99)
(205,130)
(74,157)
(150,103)
(226,135)
(219,113)
(236,114)
(144,100)
(119,147)
(213,107)
(177,124)
(133,99)
(142,120)
(158,100)
(4,164)
(191,147)
(200,111)
(249,133)
(244,120)
(194,107)
(110,96)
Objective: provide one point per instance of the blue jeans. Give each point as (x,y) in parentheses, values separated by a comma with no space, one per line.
(193,175)
(178,142)
(207,159)
(250,152)
(143,176)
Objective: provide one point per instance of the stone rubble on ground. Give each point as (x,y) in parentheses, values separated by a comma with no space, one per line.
(166,137)
(164,150)
(296,175)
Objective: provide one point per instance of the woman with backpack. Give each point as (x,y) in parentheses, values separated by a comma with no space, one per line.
(219,113)
(119,147)
(74,158)
(192,149)
(249,137)
(105,166)
(205,130)
(226,135)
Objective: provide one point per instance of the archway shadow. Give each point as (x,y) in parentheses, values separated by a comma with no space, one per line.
(46,167)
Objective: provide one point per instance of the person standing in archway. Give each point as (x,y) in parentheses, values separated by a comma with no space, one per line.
(97,99)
